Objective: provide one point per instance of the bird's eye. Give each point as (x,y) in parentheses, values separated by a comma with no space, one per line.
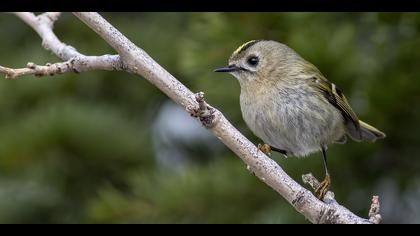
(253,61)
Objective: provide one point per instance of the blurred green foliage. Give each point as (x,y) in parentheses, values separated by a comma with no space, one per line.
(78,148)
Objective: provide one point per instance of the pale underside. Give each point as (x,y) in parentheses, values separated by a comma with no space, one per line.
(295,120)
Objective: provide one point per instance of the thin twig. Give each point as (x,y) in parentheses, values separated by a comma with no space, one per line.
(37,70)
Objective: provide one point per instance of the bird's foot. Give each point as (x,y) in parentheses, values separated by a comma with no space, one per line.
(265,148)
(323,187)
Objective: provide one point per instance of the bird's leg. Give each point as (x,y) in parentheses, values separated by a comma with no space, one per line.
(324,186)
(280,151)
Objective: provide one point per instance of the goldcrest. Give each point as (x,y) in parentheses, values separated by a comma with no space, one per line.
(290,105)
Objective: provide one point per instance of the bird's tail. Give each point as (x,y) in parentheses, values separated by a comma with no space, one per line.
(367,133)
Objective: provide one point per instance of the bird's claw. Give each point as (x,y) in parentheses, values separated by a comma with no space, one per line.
(323,187)
(265,148)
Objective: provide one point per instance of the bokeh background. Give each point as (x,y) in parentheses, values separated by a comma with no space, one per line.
(108,147)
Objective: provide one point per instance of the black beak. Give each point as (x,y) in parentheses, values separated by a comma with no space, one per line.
(229,68)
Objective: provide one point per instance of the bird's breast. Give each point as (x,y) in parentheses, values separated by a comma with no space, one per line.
(294,119)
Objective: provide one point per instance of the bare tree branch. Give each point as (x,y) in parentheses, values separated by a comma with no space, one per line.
(37,70)
(75,64)
(74,61)
(133,59)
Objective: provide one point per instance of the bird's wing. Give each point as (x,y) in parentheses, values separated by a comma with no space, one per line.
(336,97)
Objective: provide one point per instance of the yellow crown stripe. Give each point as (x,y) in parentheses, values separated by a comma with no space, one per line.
(244,46)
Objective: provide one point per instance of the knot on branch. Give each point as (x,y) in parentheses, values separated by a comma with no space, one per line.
(374,216)
(204,112)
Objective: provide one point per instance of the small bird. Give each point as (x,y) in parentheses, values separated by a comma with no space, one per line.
(291,106)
